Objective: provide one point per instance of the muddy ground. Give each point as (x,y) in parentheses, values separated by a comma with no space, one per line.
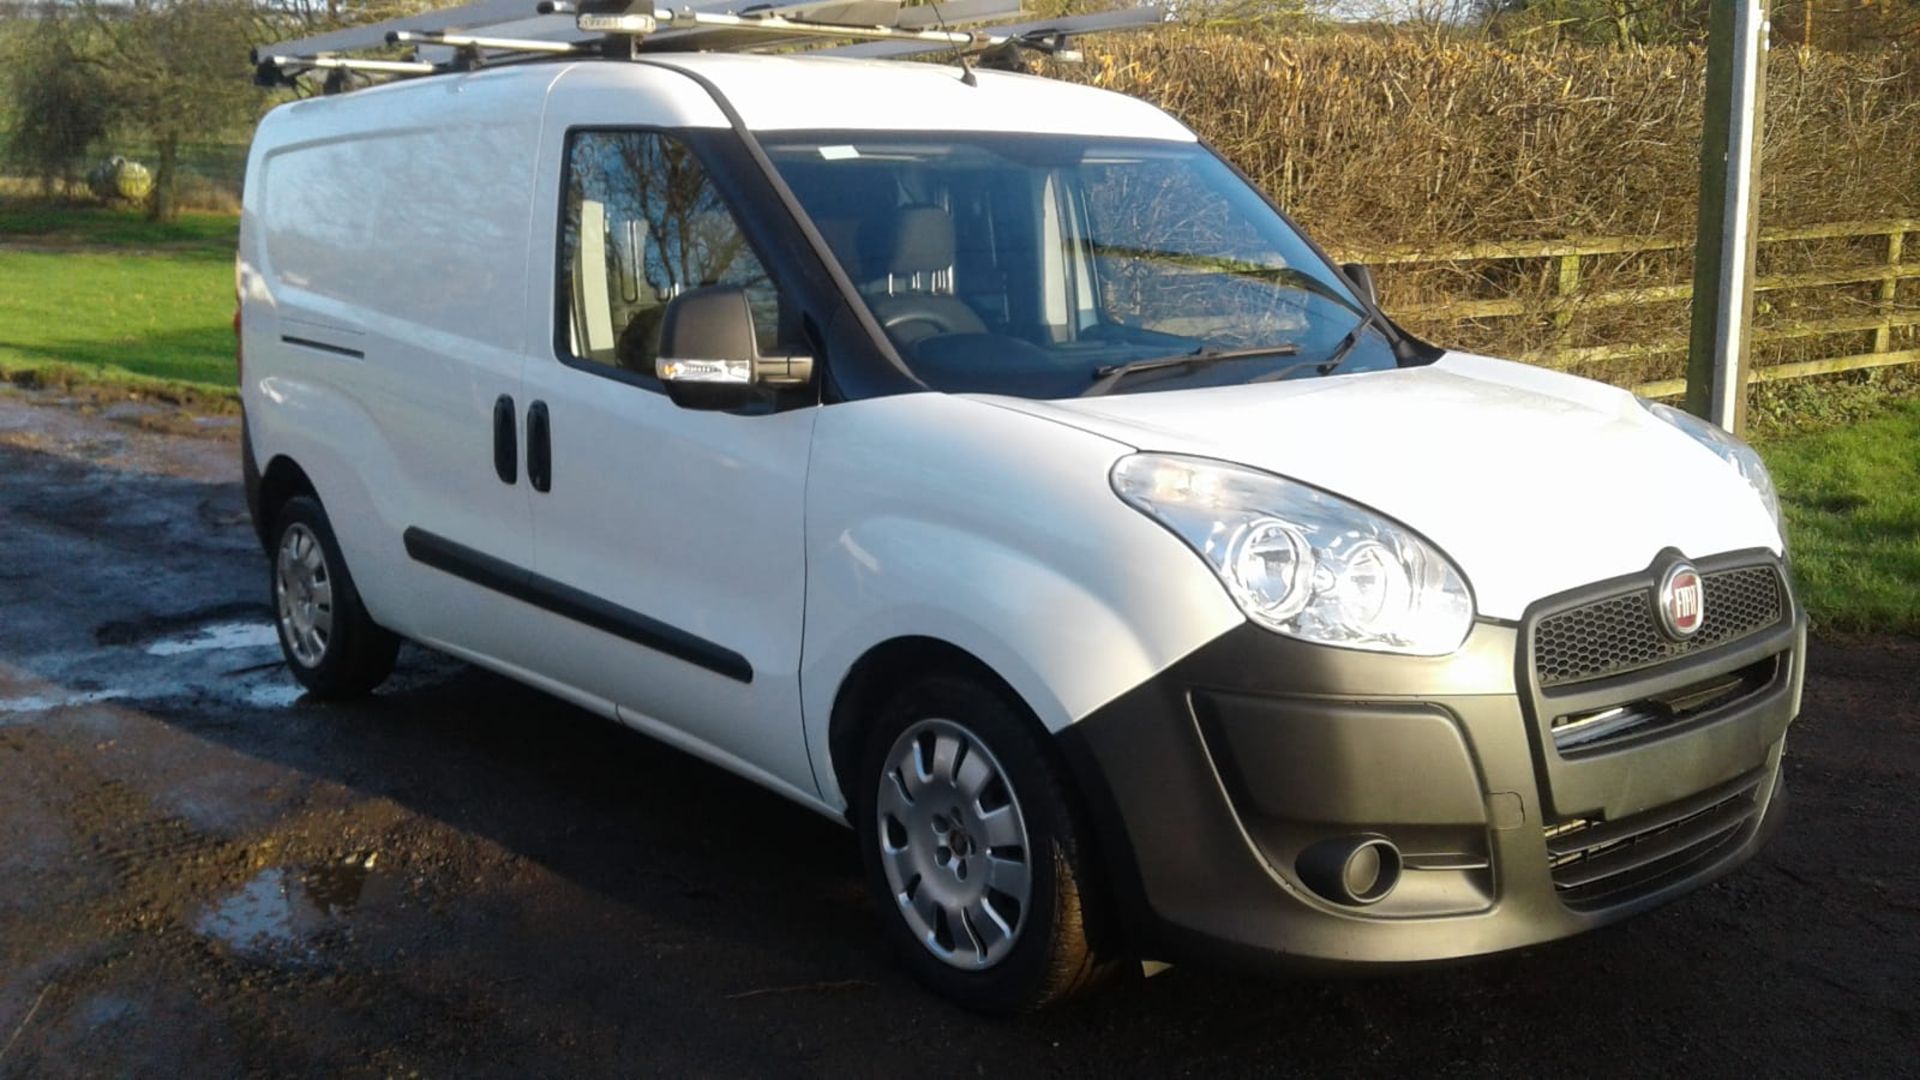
(201,874)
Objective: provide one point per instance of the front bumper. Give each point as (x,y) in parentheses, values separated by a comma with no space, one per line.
(1206,784)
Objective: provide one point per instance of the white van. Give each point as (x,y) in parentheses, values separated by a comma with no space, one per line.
(981,461)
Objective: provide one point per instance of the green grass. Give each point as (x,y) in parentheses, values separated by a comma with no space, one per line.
(39,224)
(159,307)
(1852,500)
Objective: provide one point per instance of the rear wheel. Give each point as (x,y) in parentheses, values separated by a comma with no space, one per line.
(975,852)
(331,645)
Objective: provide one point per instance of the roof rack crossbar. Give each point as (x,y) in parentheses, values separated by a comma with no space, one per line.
(767,23)
(350,63)
(480,41)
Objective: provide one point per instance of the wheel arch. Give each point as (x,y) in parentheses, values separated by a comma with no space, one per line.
(886,669)
(892,665)
(282,480)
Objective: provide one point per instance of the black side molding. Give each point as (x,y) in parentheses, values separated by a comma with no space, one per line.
(321,346)
(571,603)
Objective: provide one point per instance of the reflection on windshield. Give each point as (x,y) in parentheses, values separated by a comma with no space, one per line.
(1028,265)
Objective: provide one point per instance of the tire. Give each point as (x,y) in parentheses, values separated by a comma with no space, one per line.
(948,828)
(330,644)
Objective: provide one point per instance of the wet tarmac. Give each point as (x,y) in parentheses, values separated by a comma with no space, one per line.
(202,874)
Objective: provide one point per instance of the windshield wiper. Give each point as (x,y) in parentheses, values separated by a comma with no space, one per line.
(1106,378)
(1328,366)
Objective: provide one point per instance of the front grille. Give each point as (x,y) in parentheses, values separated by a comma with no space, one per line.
(1622,632)
(1594,729)
(1602,863)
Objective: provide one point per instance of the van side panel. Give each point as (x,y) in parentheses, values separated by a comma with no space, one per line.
(383,265)
(946,517)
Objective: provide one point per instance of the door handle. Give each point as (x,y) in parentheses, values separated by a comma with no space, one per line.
(506,442)
(539,448)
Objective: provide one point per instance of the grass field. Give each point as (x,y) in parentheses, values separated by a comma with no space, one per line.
(111,294)
(1852,499)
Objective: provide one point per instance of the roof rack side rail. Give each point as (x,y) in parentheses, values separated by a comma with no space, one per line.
(1047,36)
(500,30)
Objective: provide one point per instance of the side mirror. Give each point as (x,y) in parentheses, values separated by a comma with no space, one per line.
(1361,279)
(708,359)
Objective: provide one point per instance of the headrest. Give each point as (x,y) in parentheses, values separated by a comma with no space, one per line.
(843,239)
(922,241)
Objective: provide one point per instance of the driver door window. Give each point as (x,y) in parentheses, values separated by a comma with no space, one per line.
(644,224)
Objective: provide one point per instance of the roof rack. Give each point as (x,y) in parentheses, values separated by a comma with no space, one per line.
(517,31)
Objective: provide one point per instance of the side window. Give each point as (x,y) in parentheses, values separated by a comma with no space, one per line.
(644,224)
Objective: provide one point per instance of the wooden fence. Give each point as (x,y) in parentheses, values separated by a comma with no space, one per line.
(1566,259)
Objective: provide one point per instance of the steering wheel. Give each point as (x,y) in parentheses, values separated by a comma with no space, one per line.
(940,323)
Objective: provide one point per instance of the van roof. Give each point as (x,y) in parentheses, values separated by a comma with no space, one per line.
(829,93)
(775,93)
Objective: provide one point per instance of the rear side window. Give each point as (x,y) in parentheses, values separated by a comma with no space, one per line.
(644,224)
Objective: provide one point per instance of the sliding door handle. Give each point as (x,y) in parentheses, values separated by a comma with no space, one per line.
(506,441)
(539,448)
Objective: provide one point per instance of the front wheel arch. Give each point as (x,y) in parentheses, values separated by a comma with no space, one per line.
(890,667)
(1077,943)
(879,674)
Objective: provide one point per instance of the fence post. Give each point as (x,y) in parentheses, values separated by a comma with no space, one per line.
(1569,284)
(1890,288)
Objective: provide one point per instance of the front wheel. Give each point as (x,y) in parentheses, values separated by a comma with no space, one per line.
(331,645)
(975,852)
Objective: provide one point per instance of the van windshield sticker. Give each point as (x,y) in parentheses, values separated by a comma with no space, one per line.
(839,153)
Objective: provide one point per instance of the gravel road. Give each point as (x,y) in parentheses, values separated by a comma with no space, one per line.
(201,874)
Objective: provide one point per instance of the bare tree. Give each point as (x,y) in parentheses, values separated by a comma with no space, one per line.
(177,72)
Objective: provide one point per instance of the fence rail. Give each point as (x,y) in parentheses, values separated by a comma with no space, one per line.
(1569,258)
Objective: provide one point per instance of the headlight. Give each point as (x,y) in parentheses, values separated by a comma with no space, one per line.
(1302,562)
(1744,459)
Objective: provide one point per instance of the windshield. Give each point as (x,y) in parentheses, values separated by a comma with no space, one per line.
(1038,265)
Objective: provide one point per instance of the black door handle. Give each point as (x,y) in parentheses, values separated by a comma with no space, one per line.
(539,448)
(506,442)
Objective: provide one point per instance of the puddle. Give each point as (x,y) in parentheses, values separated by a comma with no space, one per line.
(36,703)
(268,689)
(285,912)
(274,695)
(336,887)
(227,654)
(219,636)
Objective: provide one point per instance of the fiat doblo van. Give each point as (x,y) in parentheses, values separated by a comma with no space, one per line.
(980,461)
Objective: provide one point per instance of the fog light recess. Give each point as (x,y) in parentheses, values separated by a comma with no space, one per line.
(1351,870)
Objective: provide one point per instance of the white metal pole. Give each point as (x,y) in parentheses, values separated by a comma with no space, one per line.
(1729,227)
(1738,234)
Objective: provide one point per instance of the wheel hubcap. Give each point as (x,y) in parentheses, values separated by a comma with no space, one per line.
(953,844)
(303,595)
